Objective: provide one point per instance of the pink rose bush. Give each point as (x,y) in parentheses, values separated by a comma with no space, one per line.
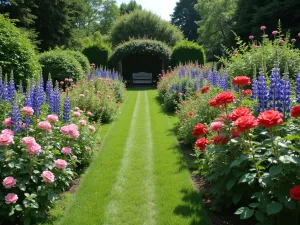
(9,182)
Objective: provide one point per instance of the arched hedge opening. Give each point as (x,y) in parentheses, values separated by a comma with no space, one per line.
(140,55)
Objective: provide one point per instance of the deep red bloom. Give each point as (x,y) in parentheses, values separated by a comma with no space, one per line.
(295,111)
(205,89)
(270,118)
(245,123)
(241,80)
(234,133)
(201,143)
(248,92)
(199,130)
(191,113)
(238,112)
(295,193)
(224,98)
(212,102)
(219,140)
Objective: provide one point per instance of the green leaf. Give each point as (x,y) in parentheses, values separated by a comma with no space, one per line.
(22,186)
(240,210)
(254,205)
(274,208)
(12,212)
(27,221)
(248,177)
(260,216)
(247,213)
(236,198)
(11,165)
(18,208)
(275,170)
(239,160)
(286,159)
(230,184)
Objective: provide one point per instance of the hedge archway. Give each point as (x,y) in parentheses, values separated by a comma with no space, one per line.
(137,55)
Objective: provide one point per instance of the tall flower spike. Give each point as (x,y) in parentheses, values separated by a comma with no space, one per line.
(286,94)
(263,93)
(11,88)
(275,87)
(20,88)
(254,84)
(1,82)
(15,117)
(49,89)
(5,95)
(67,109)
(298,88)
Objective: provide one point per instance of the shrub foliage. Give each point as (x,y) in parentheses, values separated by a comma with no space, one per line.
(98,53)
(82,59)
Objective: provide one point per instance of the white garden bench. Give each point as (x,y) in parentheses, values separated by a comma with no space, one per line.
(142,78)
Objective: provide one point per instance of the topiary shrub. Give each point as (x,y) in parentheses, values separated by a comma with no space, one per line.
(61,65)
(140,24)
(187,51)
(82,59)
(140,46)
(16,52)
(98,53)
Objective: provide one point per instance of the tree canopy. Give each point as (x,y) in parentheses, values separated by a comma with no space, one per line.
(126,8)
(140,24)
(185,17)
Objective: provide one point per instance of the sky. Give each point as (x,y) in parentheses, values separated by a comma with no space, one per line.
(163,8)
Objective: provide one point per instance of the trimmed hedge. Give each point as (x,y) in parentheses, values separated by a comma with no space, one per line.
(139,24)
(98,53)
(82,59)
(17,52)
(61,65)
(140,46)
(187,51)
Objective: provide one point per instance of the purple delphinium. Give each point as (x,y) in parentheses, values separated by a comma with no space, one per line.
(196,86)
(49,89)
(201,79)
(298,88)
(67,109)
(180,88)
(37,99)
(285,96)
(275,88)
(55,101)
(15,117)
(263,94)
(181,72)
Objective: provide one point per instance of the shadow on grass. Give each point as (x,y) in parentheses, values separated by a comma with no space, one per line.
(192,207)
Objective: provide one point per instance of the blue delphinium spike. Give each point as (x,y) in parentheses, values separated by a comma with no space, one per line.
(67,109)
(15,117)
(298,88)
(49,89)
(263,93)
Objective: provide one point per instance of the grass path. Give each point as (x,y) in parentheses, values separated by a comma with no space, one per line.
(139,177)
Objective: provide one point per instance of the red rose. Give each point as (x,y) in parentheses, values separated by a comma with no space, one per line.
(205,89)
(241,80)
(199,130)
(219,140)
(191,113)
(270,118)
(248,92)
(212,103)
(295,193)
(295,111)
(238,112)
(245,123)
(224,98)
(201,143)
(234,133)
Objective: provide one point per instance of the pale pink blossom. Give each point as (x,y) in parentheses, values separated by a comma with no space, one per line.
(48,177)
(65,130)
(275,32)
(61,164)
(263,27)
(82,123)
(251,37)
(74,133)
(256,46)
(45,125)
(81,95)
(6,139)
(28,141)
(61,82)
(281,41)
(92,128)
(293,40)
(216,126)
(77,108)
(76,114)
(34,149)
(74,157)
(8,131)
(265,35)
(22,125)
(88,148)
(7,122)
(27,110)
(9,182)
(89,114)
(11,198)
(52,118)
(66,150)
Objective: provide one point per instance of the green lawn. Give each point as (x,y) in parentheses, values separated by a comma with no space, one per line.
(139,176)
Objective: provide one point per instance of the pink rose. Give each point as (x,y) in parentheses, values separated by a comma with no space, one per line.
(82,123)
(76,114)
(48,177)
(81,95)
(28,141)
(74,157)
(52,118)
(45,125)
(216,126)
(11,198)
(9,182)
(34,149)
(8,131)
(65,130)
(6,139)
(66,150)
(92,128)
(89,114)
(74,133)
(7,122)
(61,164)
(27,110)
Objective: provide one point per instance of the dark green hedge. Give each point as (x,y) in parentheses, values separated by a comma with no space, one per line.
(140,46)
(61,65)
(16,52)
(82,59)
(140,24)
(98,53)
(187,51)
